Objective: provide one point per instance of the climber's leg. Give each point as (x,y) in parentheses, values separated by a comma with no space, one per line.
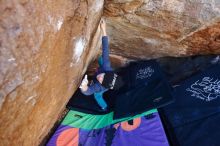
(99,99)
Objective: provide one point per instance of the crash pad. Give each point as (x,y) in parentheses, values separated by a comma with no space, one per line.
(193,119)
(145,130)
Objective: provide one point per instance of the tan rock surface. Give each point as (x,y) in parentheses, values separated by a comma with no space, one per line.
(155,28)
(45,46)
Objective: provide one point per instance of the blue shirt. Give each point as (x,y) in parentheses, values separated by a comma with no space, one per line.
(106,66)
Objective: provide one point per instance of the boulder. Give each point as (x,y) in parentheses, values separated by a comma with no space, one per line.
(155,28)
(45,48)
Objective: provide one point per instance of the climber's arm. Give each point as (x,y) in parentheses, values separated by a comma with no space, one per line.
(105,54)
(94,88)
(89,90)
(105,48)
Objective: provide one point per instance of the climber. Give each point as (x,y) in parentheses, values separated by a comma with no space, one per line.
(105,78)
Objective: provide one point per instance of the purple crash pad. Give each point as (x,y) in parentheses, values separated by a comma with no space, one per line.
(144,131)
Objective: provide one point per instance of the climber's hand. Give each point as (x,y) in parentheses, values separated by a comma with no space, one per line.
(103,27)
(84,84)
(102,24)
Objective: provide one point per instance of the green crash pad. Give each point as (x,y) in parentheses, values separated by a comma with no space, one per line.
(88,121)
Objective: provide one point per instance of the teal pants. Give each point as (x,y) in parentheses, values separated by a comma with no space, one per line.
(99,99)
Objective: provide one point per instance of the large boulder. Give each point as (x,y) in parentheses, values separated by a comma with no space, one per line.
(45,47)
(155,28)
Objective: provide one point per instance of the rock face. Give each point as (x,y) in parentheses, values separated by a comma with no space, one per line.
(45,47)
(155,28)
